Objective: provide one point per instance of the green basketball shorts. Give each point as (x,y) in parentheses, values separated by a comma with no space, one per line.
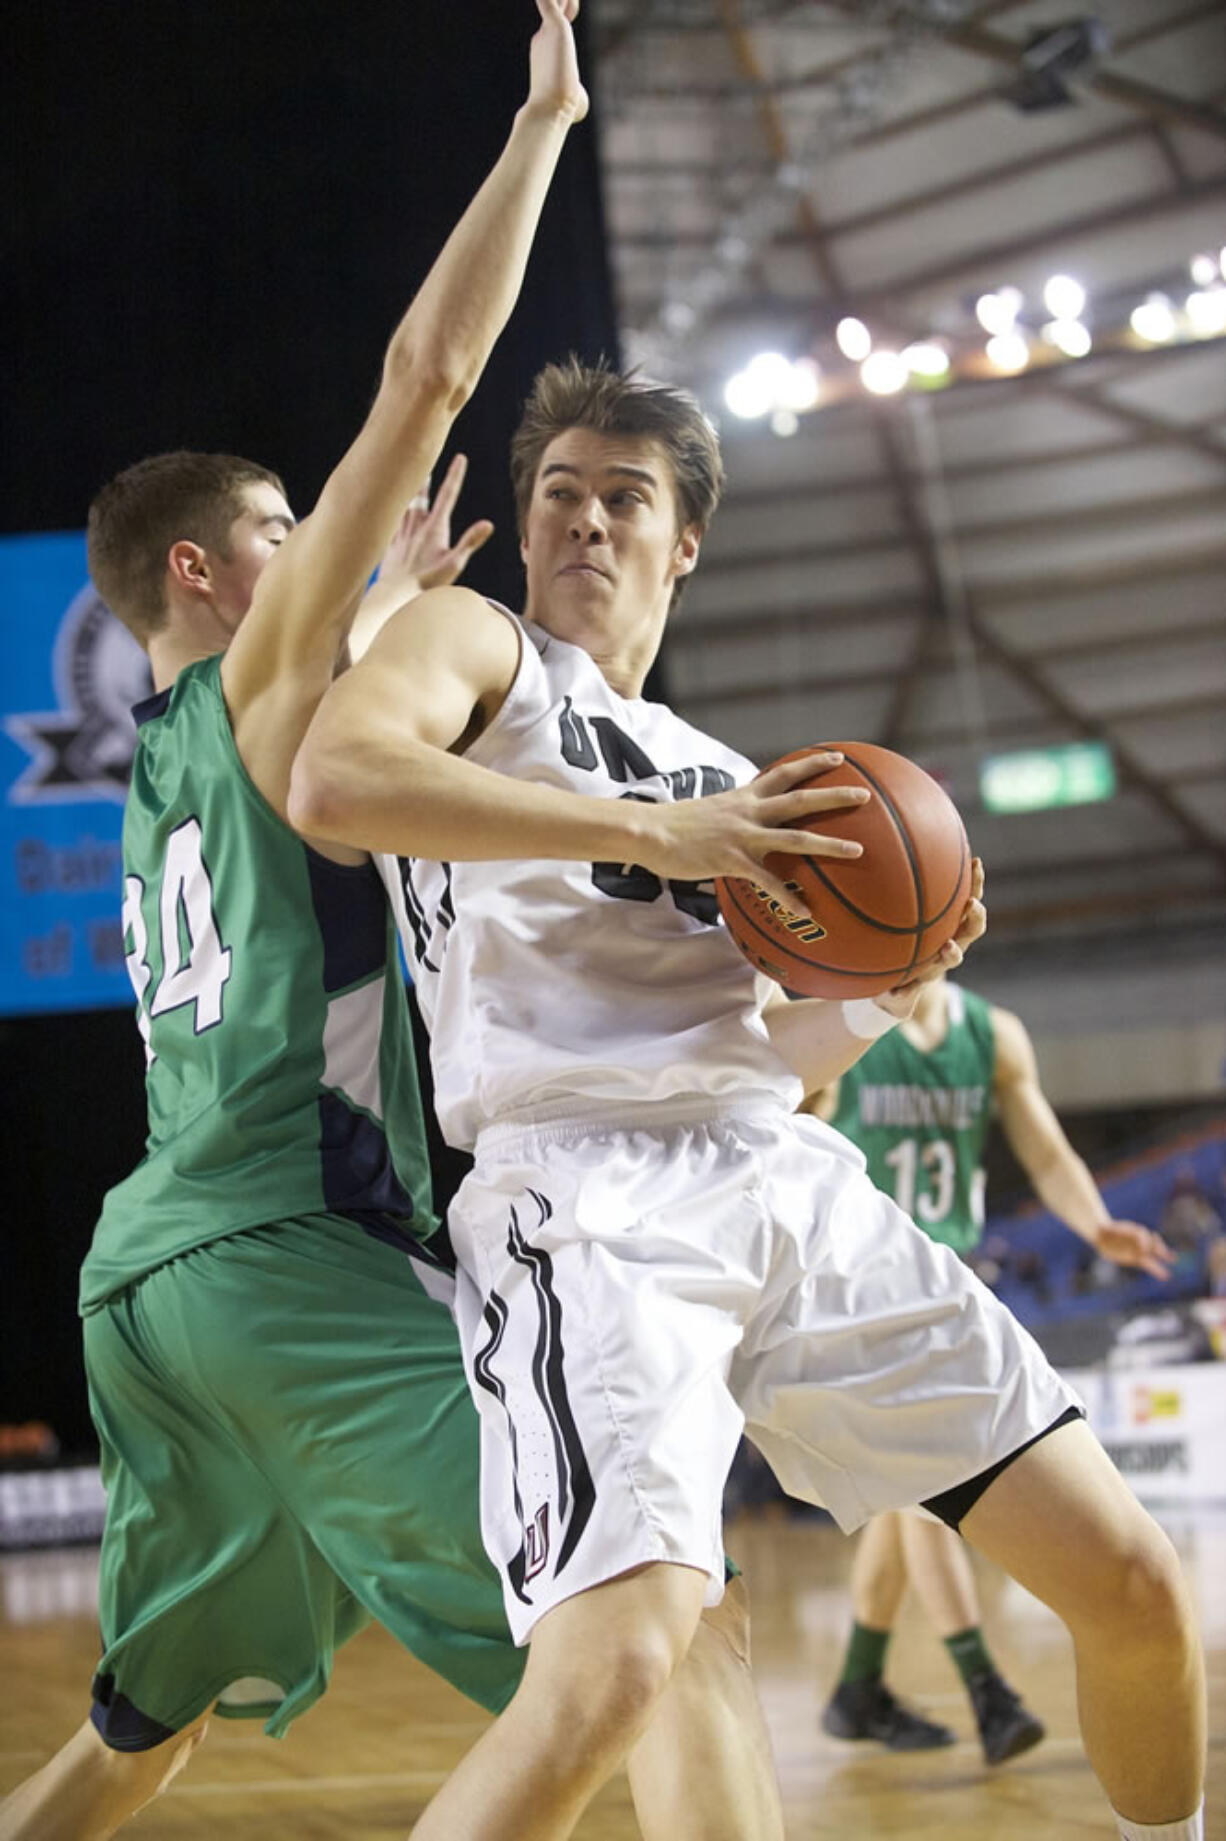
(289,1449)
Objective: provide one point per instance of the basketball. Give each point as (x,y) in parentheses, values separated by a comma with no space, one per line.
(862,924)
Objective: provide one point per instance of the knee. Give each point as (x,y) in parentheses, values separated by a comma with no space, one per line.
(603,1702)
(1142,1595)
(729,1621)
(1155,1591)
(634,1673)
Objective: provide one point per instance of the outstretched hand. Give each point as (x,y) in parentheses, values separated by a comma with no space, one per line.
(420,555)
(1130,1244)
(554,87)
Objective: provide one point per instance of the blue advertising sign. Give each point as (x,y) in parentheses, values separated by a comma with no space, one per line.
(66,744)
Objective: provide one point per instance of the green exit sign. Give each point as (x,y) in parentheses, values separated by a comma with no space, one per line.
(1035,779)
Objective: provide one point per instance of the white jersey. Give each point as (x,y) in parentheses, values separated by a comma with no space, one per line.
(583,990)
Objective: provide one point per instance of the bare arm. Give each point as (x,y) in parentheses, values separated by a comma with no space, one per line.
(1061,1179)
(376,770)
(281,660)
(822,1102)
(813,1038)
(382,768)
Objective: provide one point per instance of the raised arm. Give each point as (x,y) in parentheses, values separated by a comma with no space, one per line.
(1061,1180)
(281,660)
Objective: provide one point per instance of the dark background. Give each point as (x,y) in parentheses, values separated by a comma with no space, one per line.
(214,217)
(219,214)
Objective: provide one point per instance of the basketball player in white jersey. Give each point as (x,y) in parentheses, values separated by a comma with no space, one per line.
(654,1249)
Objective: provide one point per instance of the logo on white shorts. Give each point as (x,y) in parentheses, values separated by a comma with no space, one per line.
(536,1543)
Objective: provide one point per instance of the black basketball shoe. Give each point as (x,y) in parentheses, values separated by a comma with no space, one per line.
(867,1710)
(1006,1727)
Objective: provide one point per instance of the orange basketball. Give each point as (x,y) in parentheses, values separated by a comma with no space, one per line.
(865,923)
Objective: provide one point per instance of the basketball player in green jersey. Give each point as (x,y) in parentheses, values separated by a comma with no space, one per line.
(288,1441)
(919,1105)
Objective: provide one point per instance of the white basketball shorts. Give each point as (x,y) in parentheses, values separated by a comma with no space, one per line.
(631,1296)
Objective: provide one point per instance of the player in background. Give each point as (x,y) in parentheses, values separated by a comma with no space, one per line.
(919,1104)
(654,1250)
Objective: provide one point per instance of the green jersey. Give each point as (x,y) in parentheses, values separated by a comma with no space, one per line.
(922,1119)
(280,1072)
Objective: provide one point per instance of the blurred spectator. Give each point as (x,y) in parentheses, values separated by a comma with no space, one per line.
(1215,1266)
(1188,1217)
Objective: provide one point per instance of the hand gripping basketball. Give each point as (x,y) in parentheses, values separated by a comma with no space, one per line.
(860,926)
(755,831)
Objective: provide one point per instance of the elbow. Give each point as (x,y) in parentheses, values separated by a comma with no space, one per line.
(436,377)
(317,806)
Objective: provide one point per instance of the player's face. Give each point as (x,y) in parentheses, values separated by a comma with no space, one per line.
(255,536)
(601,545)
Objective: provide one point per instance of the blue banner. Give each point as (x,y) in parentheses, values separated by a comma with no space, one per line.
(66,743)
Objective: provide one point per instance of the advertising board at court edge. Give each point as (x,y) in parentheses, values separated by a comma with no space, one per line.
(66,744)
(1164,1428)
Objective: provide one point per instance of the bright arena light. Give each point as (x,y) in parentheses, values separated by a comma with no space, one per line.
(1153,320)
(1207,311)
(1204,270)
(801,388)
(997,312)
(1063,297)
(1008,351)
(926,358)
(746,397)
(1068,336)
(853,339)
(770,371)
(785,422)
(770,382)
(883,373)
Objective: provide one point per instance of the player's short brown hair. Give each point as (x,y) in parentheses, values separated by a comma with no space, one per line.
(575,395)
(140,513)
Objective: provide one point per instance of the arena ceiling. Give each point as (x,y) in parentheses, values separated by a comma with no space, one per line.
(1009,561)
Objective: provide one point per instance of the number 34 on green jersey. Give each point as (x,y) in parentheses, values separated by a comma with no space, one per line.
(194,965)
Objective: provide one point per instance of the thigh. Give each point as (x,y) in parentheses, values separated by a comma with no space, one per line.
(1062,1521)
(879,1371)
(207,1589)
(321,1351)
(597,1341)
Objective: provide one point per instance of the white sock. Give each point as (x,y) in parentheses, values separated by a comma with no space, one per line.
(1191,1829)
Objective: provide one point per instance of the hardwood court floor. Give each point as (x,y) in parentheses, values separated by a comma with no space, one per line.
(363,1762)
